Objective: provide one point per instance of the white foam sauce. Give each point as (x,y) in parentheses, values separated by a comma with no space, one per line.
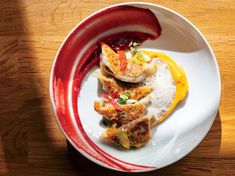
(164,89)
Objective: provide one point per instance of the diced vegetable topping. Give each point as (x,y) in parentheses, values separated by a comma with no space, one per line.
(115,104)
(133,49)
(121,101)
(114,95)
(123,60)
(123,98)
(111,100)
(134,59)
(104,95)
(138,55)
(124,140)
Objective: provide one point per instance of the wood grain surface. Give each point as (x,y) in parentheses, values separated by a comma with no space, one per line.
(32,144)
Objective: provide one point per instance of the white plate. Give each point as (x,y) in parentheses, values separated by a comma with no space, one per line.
(186,127)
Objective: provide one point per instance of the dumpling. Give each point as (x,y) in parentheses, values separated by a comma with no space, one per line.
(115,87)
(134,134)
(127,113)
(134,72)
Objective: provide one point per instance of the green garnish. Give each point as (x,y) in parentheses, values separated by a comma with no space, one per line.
(140,55)
(124,140)
(134,59)
(121,101)
(133,49)
(123,98)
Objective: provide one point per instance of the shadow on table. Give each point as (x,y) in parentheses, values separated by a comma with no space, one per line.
(201,156)
(25,145)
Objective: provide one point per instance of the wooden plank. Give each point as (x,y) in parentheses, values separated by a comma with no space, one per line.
(31,143)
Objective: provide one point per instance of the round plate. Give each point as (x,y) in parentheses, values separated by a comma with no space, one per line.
(73,91)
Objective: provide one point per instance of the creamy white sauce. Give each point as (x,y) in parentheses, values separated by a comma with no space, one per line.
(164,89)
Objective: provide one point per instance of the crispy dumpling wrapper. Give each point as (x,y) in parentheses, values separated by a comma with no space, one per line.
(127,113)
(134,134)
(113,86)
(135,72)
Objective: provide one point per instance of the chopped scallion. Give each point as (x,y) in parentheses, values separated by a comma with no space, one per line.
(133,49)
(121,101)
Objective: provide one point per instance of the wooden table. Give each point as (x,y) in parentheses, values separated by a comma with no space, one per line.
(32,144)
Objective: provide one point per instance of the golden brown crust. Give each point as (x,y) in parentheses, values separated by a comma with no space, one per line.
(128,113)
(134,134)
(112,57)
(111,85)
(138,132)
(133,69)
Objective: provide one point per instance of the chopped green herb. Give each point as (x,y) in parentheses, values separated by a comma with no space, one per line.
(124,97)
(124,140)
(121,101)
(134,59)
(139,55)
(126,93)
(133,49)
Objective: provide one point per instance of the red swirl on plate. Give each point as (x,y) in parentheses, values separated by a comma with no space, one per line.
(117,27)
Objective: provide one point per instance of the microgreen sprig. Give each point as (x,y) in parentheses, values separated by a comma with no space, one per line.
(123,98)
